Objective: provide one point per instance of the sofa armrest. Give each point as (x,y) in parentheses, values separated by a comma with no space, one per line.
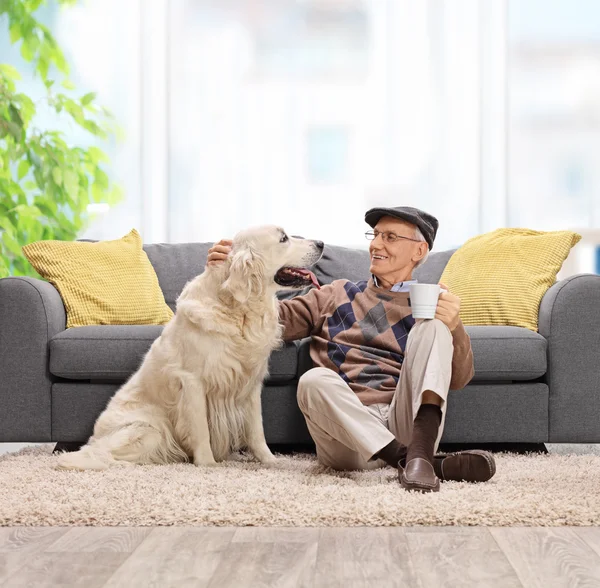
(31,313)
(569,319)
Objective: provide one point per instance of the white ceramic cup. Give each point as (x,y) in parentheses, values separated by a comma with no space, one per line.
(424,299)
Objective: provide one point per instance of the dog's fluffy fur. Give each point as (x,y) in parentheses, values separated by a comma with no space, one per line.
(197,393)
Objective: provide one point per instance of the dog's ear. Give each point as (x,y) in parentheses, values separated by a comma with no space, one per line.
(246,275)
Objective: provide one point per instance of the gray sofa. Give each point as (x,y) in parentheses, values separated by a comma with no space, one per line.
(528,387)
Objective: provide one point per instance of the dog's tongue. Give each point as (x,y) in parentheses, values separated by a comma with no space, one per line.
(312,277)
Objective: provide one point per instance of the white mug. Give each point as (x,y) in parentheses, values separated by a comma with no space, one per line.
(424,299)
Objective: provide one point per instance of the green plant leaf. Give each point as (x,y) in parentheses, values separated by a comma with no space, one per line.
(71,183)
(33,5)
(7,225)
(29,47)
(9,71)
(47,206)
(88,98)
(97,193)
(3,268)
(24,166)
(57,175)
(15,115)
(25,211)
(97,155)
(42,68)
(11,243)
(93,128)
(27,107)
(101,179)
(14,130)
(75,110)
(15,32)
(68,84)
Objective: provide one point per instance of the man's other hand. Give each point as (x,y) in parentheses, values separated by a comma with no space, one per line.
(448,308)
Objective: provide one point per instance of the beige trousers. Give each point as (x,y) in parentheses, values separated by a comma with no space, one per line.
(346,432)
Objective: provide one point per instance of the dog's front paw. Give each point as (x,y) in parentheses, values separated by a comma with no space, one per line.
(204,460)
(201,464)
(266,458)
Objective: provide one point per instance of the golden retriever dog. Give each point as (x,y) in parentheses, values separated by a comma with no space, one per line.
(196,395)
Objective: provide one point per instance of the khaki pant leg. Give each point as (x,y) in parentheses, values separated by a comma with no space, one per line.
(346,432)
(427,366)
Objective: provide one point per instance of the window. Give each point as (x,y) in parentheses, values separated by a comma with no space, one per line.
(240,113)
(297,113)
(327,154)
(554,93)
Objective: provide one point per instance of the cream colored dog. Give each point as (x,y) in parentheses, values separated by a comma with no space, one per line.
(197,393)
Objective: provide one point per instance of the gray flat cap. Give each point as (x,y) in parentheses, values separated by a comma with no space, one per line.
(427,224)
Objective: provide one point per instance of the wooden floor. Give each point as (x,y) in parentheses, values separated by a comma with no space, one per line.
(286,557)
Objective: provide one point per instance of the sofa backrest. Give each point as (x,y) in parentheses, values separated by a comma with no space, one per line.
(177,263)
(353,264)
(431,271)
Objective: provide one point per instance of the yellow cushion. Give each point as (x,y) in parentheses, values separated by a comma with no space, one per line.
(502,276)
(103,283)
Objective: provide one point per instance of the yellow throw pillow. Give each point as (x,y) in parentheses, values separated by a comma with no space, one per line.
(502,276)
(103,283)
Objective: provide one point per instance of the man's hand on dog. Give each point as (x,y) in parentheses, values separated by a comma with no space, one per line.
(448,308)
(218,252)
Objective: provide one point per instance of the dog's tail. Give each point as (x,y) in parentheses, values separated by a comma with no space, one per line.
(137,442)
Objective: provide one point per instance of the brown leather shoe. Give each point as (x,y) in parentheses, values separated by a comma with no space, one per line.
(474,465)
(419,476)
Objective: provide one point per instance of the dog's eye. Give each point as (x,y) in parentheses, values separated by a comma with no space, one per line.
(284,239)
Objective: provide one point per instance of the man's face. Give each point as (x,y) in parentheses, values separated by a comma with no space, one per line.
(388,259)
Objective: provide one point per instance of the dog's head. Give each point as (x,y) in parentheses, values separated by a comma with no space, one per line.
(266,259)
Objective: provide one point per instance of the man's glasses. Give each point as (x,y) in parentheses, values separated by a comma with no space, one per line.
(387,237)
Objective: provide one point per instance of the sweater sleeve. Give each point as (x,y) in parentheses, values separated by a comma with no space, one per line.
(463,368)
(304,315)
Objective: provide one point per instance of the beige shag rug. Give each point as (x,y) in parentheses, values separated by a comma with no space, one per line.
(531,490)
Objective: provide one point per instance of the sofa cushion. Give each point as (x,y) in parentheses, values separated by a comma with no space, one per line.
(502,276)
(507,353)
(103,282)
(113,353)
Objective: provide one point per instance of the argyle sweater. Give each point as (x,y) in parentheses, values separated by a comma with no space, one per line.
(360,331)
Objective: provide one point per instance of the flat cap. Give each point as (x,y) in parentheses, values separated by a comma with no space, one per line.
(427,224)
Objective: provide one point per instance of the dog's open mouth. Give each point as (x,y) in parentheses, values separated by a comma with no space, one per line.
(296,277)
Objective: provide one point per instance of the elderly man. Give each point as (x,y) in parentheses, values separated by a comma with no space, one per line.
(379,393)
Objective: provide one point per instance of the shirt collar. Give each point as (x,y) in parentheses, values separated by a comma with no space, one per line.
(399,287)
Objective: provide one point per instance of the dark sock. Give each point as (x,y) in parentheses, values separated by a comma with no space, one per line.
(425,432)
(392,453)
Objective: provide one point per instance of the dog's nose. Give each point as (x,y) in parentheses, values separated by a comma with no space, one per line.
(320,245)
